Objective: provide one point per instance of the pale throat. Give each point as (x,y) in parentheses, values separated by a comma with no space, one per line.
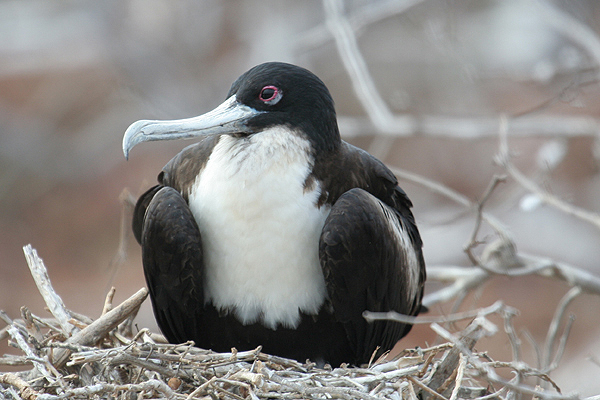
(260,228)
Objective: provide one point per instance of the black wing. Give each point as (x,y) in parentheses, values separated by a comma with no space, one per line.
(370,251)
(172,258)
(172,247)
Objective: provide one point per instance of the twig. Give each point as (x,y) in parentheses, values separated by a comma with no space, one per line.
(445,191)
(562,343)
(460,371)
(467,278)
(201,388)
(471,128)
(468,248)
(525,370)
(99,328)
(589,217)
(574,276)
(39,363)
(571,295)
(451,360)
(463,280)
(362,81)
(515,342)
(426,388)
(80,317)
(401,372)
(484,368)
(25,391)
(497,307)
(42,280)
(108,301)
(503,159)
(571,28)
(14,361)
(371,13)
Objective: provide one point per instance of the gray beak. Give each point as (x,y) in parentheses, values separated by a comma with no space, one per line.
(228,118)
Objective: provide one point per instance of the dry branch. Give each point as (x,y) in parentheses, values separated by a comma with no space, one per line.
(499,258)
(362,81)
(497,307)
(504,159)
(93,333)
(53,301)
(25,391)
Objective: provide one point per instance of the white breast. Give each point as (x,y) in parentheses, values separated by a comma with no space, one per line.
(260,228)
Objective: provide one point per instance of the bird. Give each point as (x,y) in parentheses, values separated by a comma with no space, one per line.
(272,231)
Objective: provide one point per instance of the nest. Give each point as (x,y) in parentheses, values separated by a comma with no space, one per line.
(71,356)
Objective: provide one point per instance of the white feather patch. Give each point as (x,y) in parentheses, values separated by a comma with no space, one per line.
(260,228)
(405,247)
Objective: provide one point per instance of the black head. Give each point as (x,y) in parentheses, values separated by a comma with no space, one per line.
(289,95)
(267,95)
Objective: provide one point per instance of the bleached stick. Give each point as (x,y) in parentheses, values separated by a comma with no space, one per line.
(52,299)
(25,391)
(94,332)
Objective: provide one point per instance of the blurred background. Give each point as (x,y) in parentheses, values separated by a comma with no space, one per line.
(420,84)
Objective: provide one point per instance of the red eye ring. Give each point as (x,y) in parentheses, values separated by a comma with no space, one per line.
(270,95)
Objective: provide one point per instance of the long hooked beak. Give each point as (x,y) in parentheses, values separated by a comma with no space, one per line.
(228,118)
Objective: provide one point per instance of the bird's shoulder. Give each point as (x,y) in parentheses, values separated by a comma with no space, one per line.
(353,167)
(182,170)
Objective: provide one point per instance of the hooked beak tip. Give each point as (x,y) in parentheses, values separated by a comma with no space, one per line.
(229,117)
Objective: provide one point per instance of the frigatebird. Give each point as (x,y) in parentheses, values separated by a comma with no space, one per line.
(271,230)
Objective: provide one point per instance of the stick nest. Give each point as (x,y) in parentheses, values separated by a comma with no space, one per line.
(71,356)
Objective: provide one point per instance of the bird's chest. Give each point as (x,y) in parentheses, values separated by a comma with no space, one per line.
(260,229)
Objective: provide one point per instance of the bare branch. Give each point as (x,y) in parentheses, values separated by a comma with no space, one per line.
(554,325)
(497,307)
(108,301)
(42,280)
(39,363)
(574,276)
(484,327)
(503,159)
(467,278)
(469,128)
(445,191)
(515,342)
(25,390)
(369,14)
(570,27)
(562,343)
(480,204)
(463,279)
(362,81)
(99,328)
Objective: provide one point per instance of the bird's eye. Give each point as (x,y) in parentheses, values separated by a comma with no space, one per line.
(270,95)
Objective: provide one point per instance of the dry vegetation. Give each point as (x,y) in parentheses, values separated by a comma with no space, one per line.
(73,357)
